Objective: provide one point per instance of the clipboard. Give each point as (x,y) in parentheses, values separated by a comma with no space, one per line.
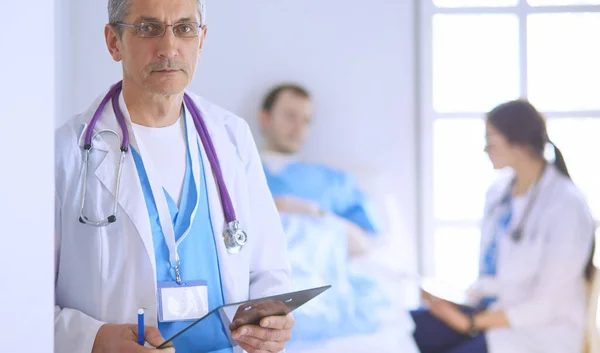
(251,312)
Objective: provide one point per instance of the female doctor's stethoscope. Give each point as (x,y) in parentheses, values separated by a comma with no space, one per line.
(517,233)
(234,237)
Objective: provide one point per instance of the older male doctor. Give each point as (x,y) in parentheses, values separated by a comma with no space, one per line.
(160,195)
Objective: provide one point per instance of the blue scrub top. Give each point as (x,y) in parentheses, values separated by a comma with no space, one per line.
(334,191)
(197,253)
(490,256)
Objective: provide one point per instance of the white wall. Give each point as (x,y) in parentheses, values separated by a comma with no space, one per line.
(27,177)
(355,56)
(65,88)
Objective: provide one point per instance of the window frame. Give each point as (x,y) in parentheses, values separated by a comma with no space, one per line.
(426,115)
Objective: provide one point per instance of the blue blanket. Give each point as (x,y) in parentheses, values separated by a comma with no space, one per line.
(318,250)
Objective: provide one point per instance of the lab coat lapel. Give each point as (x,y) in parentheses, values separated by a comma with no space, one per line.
(131,197)
(229,264)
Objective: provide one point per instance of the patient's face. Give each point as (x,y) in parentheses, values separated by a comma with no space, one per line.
(286,125)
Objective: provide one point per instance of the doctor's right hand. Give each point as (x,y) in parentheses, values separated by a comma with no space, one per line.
(123,339)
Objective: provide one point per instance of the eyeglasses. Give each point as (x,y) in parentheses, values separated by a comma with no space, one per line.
(157,29)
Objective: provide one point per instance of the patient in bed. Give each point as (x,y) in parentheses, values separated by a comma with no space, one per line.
(303,188)
(328,222)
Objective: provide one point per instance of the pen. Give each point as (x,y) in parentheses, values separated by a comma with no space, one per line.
(141,327)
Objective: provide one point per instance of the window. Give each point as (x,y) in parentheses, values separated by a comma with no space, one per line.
(465,61)
(475,54)
(459,165)
(579,142)
(562,48)
(456,250)
(562,2)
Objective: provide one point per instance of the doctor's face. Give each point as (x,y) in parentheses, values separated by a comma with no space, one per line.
(286,125)
(498,148)
(163,64)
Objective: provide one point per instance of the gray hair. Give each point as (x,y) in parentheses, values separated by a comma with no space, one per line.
(117,11)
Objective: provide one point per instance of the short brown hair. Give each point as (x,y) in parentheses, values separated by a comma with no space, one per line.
(276,91)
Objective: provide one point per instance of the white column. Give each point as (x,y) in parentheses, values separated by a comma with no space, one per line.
(27,96)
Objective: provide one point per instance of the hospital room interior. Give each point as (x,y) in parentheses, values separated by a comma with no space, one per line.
(370,119)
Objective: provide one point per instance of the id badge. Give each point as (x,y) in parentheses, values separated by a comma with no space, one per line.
(187,301)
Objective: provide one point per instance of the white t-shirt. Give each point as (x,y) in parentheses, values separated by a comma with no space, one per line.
(166,148)
(276,162)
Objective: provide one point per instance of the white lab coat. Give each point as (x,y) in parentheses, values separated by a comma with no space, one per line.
(103,275)
(539,282)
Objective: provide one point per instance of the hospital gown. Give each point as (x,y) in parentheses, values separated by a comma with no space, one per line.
(318,250)
(332,190)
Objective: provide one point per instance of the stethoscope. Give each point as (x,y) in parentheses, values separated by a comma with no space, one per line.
(234,237)
(516,234)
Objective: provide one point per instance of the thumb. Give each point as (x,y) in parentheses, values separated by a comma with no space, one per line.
(152,335)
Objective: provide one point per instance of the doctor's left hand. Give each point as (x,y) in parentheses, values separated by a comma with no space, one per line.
(270,337)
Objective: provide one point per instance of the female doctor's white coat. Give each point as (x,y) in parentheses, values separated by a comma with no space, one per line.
(103,275)
(540,282)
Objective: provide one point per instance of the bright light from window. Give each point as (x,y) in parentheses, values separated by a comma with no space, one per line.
(578,139)
(462,172)
(564,61)
(475,61)
(562,2)
(456,255)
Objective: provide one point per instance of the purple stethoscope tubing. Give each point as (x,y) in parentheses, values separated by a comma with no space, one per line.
(234,236)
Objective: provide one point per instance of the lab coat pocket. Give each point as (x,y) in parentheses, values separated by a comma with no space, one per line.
(523,258)
(80,261)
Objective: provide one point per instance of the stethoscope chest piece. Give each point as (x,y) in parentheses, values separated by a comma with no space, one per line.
(516,235)
(235,238)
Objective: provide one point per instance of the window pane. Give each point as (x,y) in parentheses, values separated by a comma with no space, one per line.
(475,61)
(578,141)
(475,3)
(563,56)
(562,2)
(456,255)
(462,171)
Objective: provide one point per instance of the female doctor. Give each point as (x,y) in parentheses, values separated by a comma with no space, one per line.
(536,253)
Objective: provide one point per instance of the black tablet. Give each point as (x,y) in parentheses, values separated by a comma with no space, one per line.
(251,312)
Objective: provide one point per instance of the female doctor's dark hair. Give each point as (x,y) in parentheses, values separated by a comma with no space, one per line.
(520,123)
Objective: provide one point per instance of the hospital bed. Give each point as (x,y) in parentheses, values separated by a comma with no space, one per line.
(385,341)
(319,257)
(394,325)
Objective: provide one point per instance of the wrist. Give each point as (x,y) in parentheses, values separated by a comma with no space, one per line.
(472,329)
(100,340)
(464,324)
(97,346)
